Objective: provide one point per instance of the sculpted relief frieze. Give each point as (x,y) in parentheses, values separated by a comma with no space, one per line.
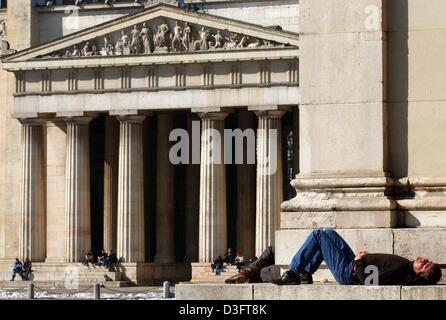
(163,36)
(4,45)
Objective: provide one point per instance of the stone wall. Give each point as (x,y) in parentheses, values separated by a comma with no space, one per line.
(417,95)
(60,21)
(284,13)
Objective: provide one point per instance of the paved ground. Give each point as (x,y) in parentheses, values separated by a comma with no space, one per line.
(129,293)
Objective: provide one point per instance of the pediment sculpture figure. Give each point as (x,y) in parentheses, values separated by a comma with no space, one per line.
(219,40)
(76,52)
(136,44)
(108,49)
(232,42)
(187,40)
(2,29)
(124,44)
(146,39)
(160,39)
(87,50)
(176,41)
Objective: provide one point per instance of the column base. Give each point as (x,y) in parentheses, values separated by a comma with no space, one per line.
(340,203)
(421,202)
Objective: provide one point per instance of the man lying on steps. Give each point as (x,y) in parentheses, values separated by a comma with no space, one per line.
(327,245)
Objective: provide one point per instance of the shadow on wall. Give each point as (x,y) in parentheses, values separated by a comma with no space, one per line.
(398,86)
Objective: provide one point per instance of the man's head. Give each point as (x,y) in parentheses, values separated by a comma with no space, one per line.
(427,269)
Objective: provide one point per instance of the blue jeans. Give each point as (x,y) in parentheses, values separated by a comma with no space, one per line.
(325,245)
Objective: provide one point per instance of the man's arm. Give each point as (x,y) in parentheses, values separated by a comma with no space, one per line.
(360,266)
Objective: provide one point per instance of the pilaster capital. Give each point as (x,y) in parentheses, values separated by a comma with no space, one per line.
(33,121)
(213,115)
(131,118)
(78,120)
(271,114)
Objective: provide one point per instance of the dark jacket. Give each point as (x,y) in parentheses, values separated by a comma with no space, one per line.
(393,270)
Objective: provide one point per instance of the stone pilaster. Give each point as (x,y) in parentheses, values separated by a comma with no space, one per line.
(213,215)
(130,241)
(246,194)
(77,199)
(56,160)
(192,198)
(269,191)
(32,237)
(165,192)
(111,156)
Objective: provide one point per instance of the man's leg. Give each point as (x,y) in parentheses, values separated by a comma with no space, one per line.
(252,272)
(328,246)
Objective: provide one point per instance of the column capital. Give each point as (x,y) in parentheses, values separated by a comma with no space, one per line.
(78,120)
(271,114)
(213,115)
(131,118)
(33,121)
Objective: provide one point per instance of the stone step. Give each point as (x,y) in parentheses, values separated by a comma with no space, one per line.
(194,291)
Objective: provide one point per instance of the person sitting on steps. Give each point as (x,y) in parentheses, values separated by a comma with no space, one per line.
(239,261)
(346,267)
(26,269)
(89,258)
(217,265)
(16,268)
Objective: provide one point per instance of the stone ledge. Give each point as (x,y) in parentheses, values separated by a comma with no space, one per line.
(187,291)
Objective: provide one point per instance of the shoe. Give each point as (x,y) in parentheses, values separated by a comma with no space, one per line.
(288,278)
(306,278)
(242,277)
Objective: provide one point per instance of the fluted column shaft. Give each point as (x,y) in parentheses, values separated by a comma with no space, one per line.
(192,196)
(131,190)
(77,196)
(32,235)
(246,193)
(165,192)
(111,156)
(269,191)
(213,215)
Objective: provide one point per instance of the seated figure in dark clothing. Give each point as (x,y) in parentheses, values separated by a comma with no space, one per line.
(26,269)
(229,257)
(217,265)
(346,267)
(110,260)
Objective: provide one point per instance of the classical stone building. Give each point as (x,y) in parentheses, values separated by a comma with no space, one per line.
(355,89)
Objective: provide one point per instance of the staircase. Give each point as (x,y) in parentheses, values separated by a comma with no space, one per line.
(207,276)
(66,275)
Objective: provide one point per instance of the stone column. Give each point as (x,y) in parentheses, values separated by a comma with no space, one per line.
(130,239)
(165,192)
(111,156)
(296,142)
(269,178)
(246,193)
(192,195)
(213,215)
(32,236)
(77,196)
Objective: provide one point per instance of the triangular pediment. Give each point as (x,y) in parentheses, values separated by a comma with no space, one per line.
(159,29)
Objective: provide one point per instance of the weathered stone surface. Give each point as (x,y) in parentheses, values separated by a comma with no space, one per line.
(214,292)
(338,219)
(429,242)
(325,292)
(307,292)
(423,293)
